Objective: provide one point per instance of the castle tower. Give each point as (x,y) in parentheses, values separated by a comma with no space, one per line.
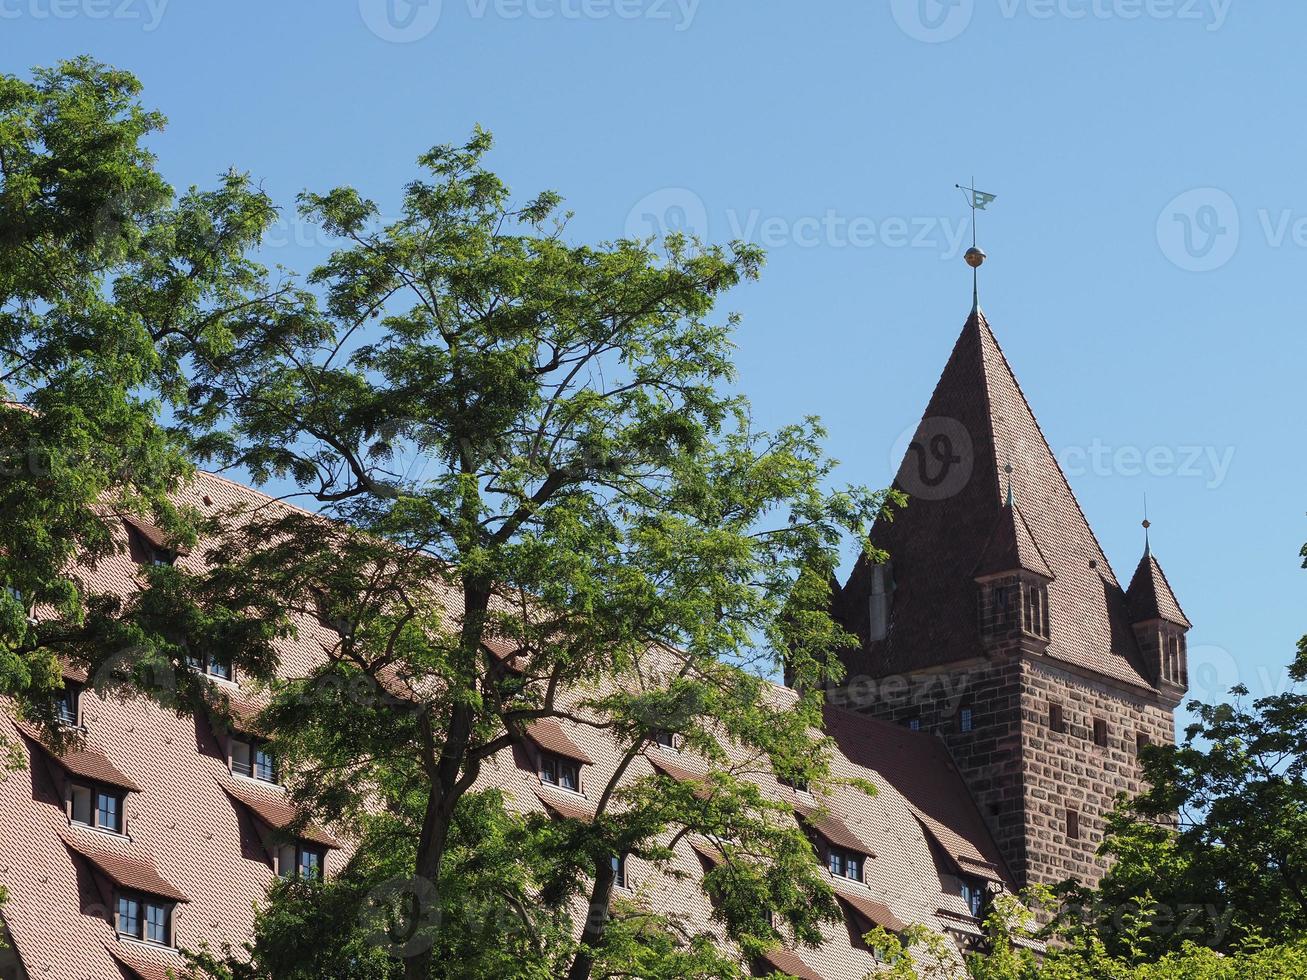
(1003,629)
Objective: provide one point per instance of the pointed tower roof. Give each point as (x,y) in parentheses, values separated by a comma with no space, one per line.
(978,421)
(1150,595)
(1011,547)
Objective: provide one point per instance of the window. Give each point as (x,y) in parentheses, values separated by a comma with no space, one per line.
(914,724)
(146,919)
(973,893)
(845,864)
(1056,721)
(1036,612)
(560,771)
(1142,741)
(665,738)
(966,719)
(219,667)
(109,811)
(1000,605)
(797,783)
(253,757)
(68,709)
(301,860)
(1100,732)
(619,870)
(1072,825)
(95,806)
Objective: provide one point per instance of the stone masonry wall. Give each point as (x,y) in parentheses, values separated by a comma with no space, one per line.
(1069,771)
(1023,775)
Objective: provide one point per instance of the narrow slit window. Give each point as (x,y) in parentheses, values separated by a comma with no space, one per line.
(1056,719)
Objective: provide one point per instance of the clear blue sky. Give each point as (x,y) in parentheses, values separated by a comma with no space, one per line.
(1147,245)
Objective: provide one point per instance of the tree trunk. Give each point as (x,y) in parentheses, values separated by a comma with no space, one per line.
(446,769)
(596,922)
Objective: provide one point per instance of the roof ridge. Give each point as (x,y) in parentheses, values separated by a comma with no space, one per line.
(1016,508)
(1048,446)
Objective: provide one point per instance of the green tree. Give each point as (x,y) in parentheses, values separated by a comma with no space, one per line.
(1019,951)
(105,279)
(1215,851)
(523,444)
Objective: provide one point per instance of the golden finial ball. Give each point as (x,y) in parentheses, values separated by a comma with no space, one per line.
(975,257)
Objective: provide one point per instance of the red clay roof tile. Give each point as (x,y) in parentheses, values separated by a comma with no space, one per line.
(124,869)
(877,913)
(1150,595)
(565,805)
(270,805)
(548,733)
(84,762)
(787,962)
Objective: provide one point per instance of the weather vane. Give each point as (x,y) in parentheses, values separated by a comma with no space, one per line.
(977,201)
(1147,524)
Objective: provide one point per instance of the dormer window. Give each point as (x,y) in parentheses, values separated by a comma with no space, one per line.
(973,893)
(619,870)
(216,667)
(301,860)
(560,771)
(664,737)
(97,806)
(797,783)
(253,757)
(143,918)
(68,709)
(844,863)
(150,544)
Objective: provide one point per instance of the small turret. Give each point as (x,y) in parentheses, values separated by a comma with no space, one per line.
(1160,626)
(1013,578)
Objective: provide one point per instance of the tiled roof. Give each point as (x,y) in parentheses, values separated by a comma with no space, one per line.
(918,766)
(269,804)
(1011,547)
(147,963)
(877,913)
(127,870)
(977,422)
(548,733)
(567,805)
(153,536)
(84,762)
(831,827)
(709,853)
(703,788)
(788,962)
(1150,594)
